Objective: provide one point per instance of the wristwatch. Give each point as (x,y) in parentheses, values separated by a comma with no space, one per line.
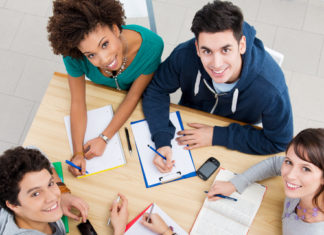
(105,138)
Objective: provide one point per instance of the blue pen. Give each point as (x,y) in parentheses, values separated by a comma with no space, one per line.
(223,196)
(72,164)
(156,152)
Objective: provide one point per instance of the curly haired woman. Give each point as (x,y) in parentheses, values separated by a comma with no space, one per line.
(94,42)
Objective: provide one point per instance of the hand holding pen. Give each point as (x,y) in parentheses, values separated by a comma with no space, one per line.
(163,158)
(221,189)
(155,223)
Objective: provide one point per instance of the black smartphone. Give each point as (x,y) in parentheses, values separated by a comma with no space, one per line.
(208,168)
(86,228)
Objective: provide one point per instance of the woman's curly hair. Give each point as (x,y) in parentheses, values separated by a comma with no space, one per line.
(14,164)
(72,20)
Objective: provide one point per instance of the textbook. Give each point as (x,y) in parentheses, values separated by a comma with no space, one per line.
(58,168)
(135,227)
(227,216)
(113,156)
(184,166)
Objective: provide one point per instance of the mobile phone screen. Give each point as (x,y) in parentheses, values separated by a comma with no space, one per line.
(208,168)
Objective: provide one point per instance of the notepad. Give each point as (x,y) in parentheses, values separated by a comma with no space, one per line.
(184,166)
(113,156)
(135,227)
(227,217)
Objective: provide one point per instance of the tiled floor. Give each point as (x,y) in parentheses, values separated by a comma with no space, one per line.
(293,27)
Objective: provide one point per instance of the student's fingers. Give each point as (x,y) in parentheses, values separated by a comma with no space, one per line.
(74,171)
(83,167)
(159,163)
(72,216)
(193,146)
(124,200)
(83,207)
(196,125)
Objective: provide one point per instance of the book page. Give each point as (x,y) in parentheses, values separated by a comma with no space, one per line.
(137,228)
(97,121)
(183,161)
(228,216)
(208,222)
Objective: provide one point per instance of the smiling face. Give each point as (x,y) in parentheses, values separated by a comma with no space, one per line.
(39,199)
(103,47)
(220,54)
(301,179)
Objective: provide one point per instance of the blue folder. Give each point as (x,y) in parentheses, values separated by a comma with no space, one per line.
(191,174)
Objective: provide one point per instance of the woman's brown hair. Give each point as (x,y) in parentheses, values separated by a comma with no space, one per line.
(72,20)
(308,145)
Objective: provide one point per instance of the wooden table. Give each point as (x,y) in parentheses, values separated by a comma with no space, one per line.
(181,199)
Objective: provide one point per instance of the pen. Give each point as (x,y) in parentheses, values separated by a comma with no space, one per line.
(72,164)
(128,141)
(109,220)
(156,152)
(149,216)
(223,196)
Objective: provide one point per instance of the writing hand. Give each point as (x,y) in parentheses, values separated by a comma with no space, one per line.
(220,187)
(161,164)
(68,201)
(200,136)
(119,215)
(79,161)
(156,225)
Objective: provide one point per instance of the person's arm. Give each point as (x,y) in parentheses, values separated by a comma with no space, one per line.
(277,130)
(267,168)
(68,201)
(119,215)
(156,224)
(78,115)
(97,145)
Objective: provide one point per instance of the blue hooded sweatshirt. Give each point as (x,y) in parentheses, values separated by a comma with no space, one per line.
(261,94)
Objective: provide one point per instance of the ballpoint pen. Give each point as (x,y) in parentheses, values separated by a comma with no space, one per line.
(72,164)
(128,141)
(156,152)
(149,216)
(109,220)
(223,196)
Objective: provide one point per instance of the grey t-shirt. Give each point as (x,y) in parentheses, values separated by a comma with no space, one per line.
(269,168)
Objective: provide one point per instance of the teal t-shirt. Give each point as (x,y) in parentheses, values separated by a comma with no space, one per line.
(146,61)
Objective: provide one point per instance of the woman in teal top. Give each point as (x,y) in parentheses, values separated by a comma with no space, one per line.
(95,43)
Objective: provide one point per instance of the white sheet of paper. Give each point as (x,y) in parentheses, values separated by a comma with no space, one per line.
(138,228)
(183,160)
(97,121)
(135,8)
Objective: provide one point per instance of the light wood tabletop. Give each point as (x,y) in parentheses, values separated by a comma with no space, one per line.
(181,200)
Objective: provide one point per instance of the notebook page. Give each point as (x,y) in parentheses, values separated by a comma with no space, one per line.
(209,222)
(97,121)
(183,161)
(138,228)
(247,205)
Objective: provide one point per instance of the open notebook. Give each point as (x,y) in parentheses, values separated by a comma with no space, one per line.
(184,166)
(135,227)
(227,217)
(113,156)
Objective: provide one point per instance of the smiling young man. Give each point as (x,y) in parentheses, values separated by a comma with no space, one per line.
(226,71)
(31,199)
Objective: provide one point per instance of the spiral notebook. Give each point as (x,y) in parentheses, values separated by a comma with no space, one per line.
(184,166)
(113,156)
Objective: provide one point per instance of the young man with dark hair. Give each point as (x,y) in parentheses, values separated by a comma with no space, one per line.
(32,197)
(225,71)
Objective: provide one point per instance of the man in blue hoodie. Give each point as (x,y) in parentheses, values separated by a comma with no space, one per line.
(224,70)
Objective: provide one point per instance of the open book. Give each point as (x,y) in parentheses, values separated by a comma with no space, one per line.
(226,217)
(113,156)
(135,227)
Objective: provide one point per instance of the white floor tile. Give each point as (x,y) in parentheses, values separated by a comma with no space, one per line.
(314,17)
(321,64)
(31,38)
(307,96)
(5,146)
(315,124)
(249,8)
(300,123)
(283,12)
(168,48)
(266,33)
(2,3)
(33,7)
(12,65)
(185,32)
(301,50)
(35,79)
(288,76)
(29,122)
(13,118)
(166,16)
(8,33)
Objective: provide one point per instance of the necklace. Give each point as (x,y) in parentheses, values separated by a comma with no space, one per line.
(115,74)
(303,210)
